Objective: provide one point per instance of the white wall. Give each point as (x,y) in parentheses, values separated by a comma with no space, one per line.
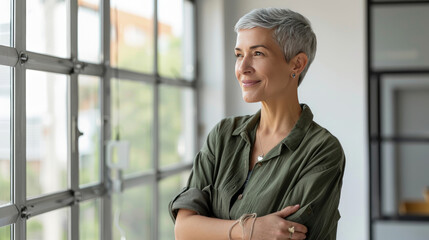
(334,88)
(210,23)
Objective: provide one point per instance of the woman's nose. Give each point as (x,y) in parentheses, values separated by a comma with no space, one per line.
(245,65)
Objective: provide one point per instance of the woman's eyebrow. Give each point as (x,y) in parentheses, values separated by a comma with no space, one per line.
(254,46)
(258,46)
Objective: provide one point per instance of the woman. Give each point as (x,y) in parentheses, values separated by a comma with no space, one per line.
(278,164)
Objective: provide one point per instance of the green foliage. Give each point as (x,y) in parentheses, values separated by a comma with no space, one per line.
(89,222)
(34,229)
(33,182)
(171,124)
(133,120)
(136,59)
(170,61)
(5,233)
(4,188)
(135,213)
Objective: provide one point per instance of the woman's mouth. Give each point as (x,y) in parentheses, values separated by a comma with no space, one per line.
(249,83)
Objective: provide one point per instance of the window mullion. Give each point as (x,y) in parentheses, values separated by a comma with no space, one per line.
(155,136)
(106,201)
(19,148)
(73,99)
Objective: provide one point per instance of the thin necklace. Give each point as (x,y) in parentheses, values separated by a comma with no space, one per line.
(260,157)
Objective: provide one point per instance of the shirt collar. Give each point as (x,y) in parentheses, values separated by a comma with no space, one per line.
(294,138)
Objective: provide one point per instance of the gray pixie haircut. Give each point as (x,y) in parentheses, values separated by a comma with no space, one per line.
(292,31)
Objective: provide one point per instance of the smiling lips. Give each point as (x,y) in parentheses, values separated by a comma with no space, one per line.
(250,83)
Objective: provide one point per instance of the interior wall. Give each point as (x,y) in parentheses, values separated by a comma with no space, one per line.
(210,65)
(334,88)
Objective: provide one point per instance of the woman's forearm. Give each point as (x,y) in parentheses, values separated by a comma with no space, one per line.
(190,225)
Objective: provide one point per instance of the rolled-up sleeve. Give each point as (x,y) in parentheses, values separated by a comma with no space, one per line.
(193,199)
(196,196)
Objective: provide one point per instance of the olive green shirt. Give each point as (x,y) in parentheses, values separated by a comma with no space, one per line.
(305,168)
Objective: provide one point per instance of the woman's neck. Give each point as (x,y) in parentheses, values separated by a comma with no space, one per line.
(279,117)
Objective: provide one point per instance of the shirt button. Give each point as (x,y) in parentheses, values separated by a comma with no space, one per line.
(240,197)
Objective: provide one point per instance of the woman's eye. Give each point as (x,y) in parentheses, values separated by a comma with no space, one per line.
(258,54)
(238,55)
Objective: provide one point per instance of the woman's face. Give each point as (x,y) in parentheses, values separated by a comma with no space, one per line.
(261,68)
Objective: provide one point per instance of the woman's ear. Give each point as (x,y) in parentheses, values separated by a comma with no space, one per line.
(299,62)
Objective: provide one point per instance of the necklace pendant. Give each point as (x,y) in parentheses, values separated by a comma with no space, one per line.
(260,157)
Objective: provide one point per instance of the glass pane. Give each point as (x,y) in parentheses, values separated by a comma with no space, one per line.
(399,230)
(177,125)
(175,39)
(132,214)
(89,223)
(4,134)
(46,132)
(132,118)
(5,233)
(404,105)
(89,124)
(405,178)
(5,22)
(47,30)
(50,225)
(132,34)
(395,43)
(89,31)
(169,188)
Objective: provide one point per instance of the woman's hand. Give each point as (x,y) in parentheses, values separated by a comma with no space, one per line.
(274,226)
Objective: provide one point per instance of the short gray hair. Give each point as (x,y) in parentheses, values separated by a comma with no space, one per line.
(292,31)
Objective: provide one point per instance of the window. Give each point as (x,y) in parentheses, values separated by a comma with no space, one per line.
(169,188)
(398,86)
(175,48)
(53,224)
(4,135)
(47,28)
(46,102)
(132,118)
(89,220)
(89,124)
(5,233)
(177,119)
(82,75)
(5,23)
(132,39)
(89,31)
(5,89)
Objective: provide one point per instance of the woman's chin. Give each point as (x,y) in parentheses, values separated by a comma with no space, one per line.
(250,99)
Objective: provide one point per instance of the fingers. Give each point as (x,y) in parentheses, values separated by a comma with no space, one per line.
(298,235)
(273,226)
(297,227)
(287,211)
(295,231)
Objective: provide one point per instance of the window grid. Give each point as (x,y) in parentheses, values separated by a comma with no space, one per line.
(375,120)
(21,209)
